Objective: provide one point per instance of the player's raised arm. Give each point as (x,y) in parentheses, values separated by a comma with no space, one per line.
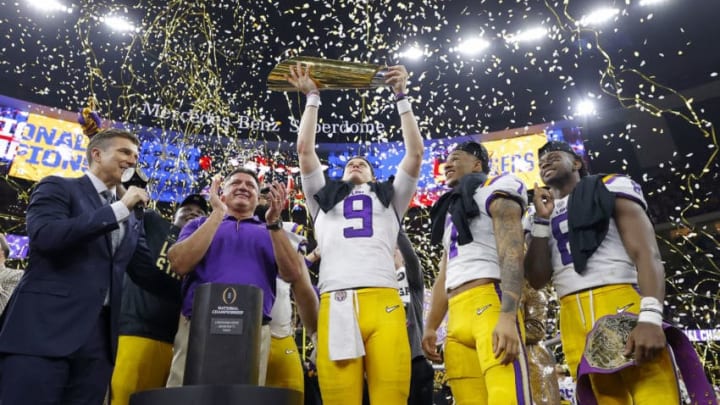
(397,77)
(300,77)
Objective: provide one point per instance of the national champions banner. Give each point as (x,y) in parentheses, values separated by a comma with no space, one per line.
(49,146)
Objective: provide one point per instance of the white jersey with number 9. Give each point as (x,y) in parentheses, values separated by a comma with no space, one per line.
(357,237)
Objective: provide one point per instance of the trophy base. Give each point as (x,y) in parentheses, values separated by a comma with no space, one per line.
(218,394)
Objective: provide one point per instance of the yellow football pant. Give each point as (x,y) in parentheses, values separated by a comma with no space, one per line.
(474,374)
(381,317)
(141,364)
(284,366)
(652,383)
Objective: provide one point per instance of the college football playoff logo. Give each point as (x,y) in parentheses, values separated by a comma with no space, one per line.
(229,296)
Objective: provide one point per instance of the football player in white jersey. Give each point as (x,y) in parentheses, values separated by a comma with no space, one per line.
(480,282)
(626,257)
(284,368)
(357,222)
(284,365)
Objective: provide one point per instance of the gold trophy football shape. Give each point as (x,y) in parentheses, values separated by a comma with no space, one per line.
(329,74)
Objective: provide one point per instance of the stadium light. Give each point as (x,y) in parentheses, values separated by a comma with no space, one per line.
(472,46)
(585,108)
(644,3)
(49,5)
(412,53)
(117,23)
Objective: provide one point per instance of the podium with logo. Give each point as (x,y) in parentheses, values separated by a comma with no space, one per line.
(223,353)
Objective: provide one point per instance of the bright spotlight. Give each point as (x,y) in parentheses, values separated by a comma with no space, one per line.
(528,35)
(412,53)
(598,16)
(120,24)
(50,5)
(644,3)
(472,46)
(585,108)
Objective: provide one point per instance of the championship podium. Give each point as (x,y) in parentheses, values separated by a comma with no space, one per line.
(223,353)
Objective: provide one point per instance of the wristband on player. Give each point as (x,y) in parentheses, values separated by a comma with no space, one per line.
(313,100)
(403,106)
(540,230)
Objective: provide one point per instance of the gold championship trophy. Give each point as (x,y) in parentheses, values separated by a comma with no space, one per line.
(329,74)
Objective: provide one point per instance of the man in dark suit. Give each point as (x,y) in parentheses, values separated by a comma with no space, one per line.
(59,333)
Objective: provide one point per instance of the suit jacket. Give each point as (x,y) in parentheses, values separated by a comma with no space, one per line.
(71,266)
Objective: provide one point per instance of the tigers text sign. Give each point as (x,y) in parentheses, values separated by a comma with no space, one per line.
(50,146)
(517,156)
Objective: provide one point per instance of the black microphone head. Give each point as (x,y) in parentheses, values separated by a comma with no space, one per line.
(139,210)
(134,176)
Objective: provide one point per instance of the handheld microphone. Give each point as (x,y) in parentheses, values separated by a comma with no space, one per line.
(134,176)
(139,210)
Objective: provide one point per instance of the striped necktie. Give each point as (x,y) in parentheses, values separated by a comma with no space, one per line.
(109,198)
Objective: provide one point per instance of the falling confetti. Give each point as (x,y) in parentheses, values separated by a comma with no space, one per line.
(189,77)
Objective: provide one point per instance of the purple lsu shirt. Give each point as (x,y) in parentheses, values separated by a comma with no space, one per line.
(241,252)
